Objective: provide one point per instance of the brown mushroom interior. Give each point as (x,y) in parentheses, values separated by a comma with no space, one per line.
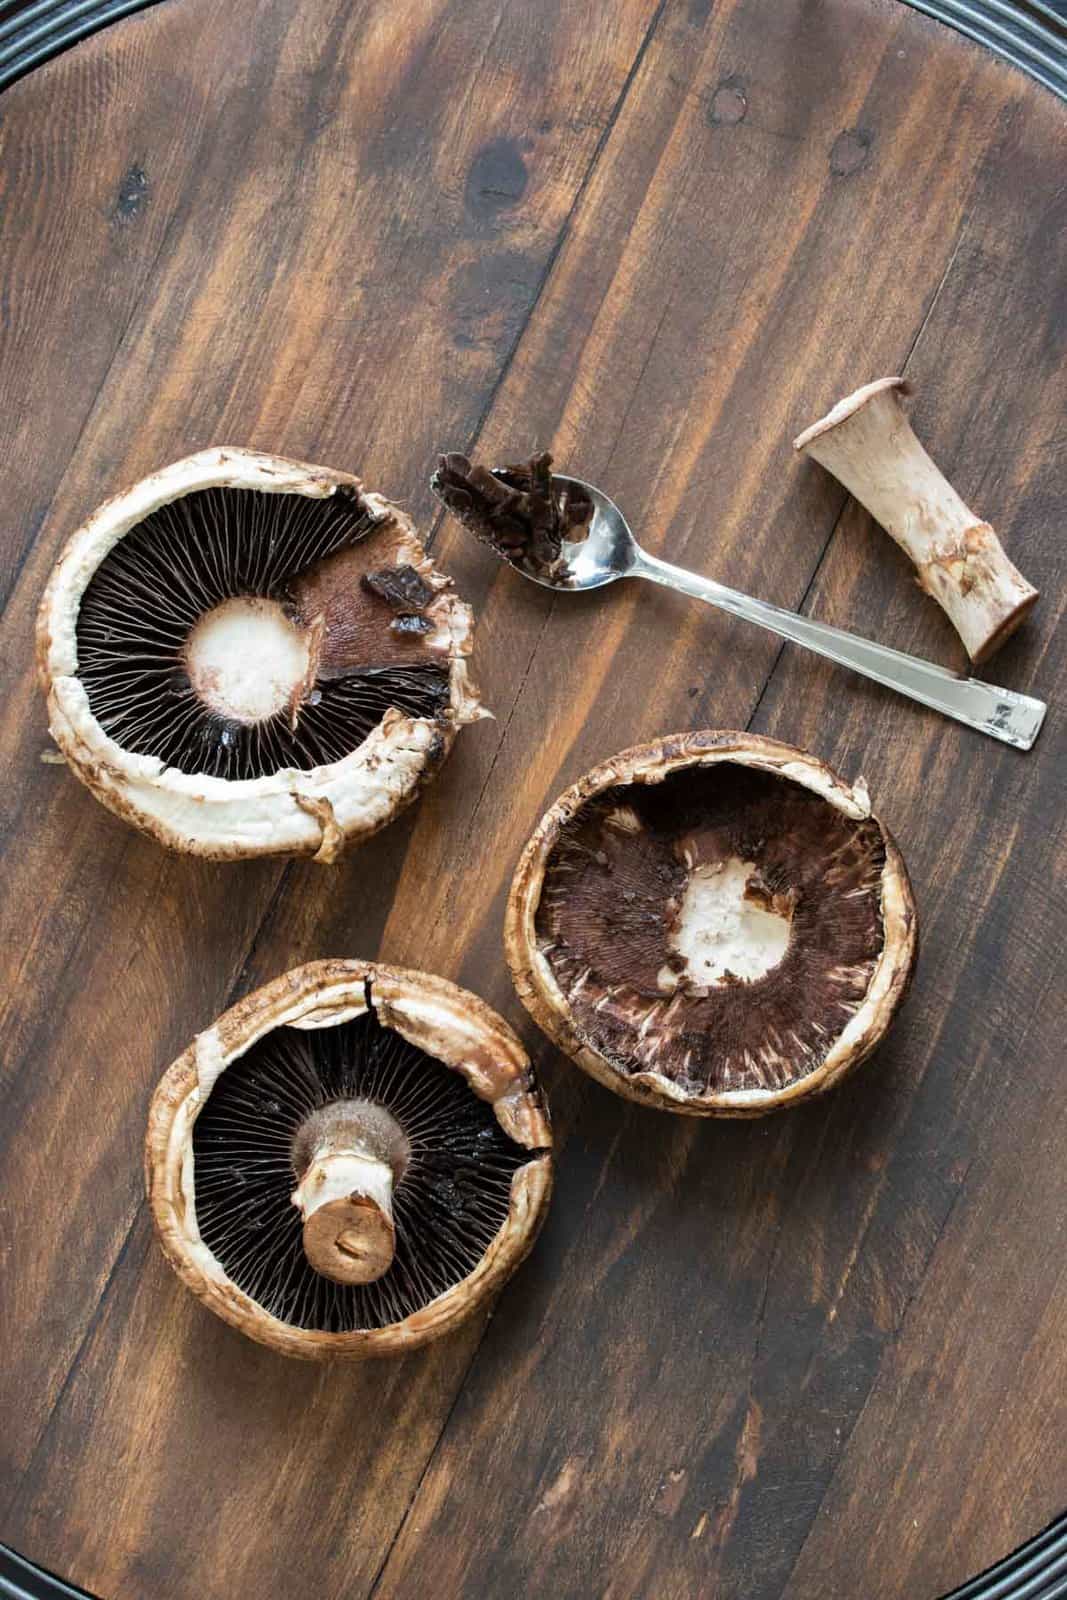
(719,928)
(453,1186)
(237,633)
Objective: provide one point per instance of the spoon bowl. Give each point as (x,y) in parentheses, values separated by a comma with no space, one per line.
(608,551)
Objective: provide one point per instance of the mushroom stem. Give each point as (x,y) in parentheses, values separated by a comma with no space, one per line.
(867,442)
(348,1154)
(346,1201)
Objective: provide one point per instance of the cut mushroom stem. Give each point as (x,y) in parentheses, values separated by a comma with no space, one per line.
(867,442)
(349,1155)
(347,1205)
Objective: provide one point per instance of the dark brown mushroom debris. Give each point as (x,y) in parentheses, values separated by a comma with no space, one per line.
(272,581)
(258,1147)
(525,513)
(713,924)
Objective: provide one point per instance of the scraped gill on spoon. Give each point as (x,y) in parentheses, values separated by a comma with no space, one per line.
(526,514)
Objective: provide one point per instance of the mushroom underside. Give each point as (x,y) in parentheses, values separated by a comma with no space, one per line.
(719,928)
(236,633)
(255,1134)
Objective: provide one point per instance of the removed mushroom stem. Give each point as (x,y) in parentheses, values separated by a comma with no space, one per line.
(346,1201)
(350,1155)
(867,442)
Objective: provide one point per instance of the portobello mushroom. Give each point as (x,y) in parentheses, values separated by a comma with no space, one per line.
(713,924)
(248,656)
(350,1161)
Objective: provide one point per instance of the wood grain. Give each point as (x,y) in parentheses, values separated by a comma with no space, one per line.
(340,250)
(814,1355)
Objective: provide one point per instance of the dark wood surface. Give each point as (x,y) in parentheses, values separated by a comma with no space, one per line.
(818,1355)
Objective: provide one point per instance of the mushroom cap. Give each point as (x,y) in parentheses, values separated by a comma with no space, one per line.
(447,1023)
(847,408)
(861,1021)
(297,808)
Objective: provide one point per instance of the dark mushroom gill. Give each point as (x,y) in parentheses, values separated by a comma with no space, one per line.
(524,513)
(609,912)
(448,1206)
(189,557)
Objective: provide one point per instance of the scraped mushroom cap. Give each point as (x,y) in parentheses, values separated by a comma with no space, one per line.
(247,656)
(248,1110)
(712,924)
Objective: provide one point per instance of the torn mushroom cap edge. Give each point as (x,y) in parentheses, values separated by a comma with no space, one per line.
(314,813)
(449,1023)
(536,984)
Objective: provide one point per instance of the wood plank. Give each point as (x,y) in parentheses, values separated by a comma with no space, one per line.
(971,1376)
(342,278)
(84,219)
(665,1397)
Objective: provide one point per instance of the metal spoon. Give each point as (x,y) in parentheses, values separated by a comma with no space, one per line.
(610,551)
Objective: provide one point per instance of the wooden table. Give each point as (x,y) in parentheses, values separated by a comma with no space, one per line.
(818,1355)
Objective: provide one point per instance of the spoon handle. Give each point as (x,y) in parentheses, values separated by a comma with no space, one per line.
(1014,718)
